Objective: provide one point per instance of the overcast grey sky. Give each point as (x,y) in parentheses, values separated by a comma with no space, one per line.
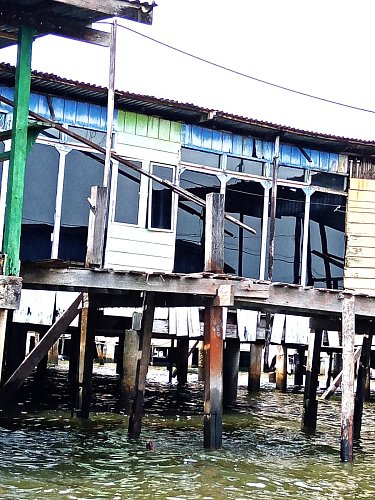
(321,47)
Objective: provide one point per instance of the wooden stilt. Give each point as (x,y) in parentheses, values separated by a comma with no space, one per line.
(255,367)
(135,420)
(200,362)
(213,326)
(171,356)
(363,371)
(182,356)
(130,360)
(366,389)
(120,355)
(231,366)
(310,404)
(73,361)
(299,366)
(281,368)
(338,379)
(15,347)
(53,355)
(329,372)
(213,387)
(3,326)
(347,384)
(83,390)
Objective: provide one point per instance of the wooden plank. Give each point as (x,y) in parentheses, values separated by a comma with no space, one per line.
(214,233)
(367,273)
(362,252)
(360,229)
(347,384)
(97,226)
(39,351)
(361,217)
(360,285)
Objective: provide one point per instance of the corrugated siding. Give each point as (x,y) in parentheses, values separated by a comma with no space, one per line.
(359,273)
(225,142)
(67,111)
(148,126)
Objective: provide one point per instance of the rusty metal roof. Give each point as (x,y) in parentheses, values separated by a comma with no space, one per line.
(48,83)
(71,18)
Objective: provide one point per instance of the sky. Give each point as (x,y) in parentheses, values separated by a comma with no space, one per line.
(321,47)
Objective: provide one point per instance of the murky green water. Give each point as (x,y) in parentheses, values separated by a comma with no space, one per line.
(47,454)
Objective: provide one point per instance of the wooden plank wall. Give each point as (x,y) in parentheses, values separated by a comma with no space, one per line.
(359,272)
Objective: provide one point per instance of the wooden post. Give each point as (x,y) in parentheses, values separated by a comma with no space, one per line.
(135,420)
(18,153)
(130,360)
(281,368)
(347,384)
(362,377)
(255,367)
(83,390)
(366,390)
(299,366)
(231,365)
(182,357)
(310,404)
(213,326)
(171,356)
(96,229)
(120,355)
(271,249)
(53,355)
(200,362)
(338,379)
(3,326)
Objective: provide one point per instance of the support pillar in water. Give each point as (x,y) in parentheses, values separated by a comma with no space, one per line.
(310,404)
(255,367)
(281,368)
(231,365)
(130,360)
(182,357)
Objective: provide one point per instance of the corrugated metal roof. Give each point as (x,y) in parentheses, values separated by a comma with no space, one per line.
(67,17)
(48,83)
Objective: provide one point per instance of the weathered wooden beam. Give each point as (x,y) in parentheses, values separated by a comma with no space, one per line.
(347,384)
(128,377)
(298,367)
(281,368)
(135,420)
(338,379)
(39,351)
(272,223)
(310,404)
(363,377)
(214,233)
(182,358)
(231,365)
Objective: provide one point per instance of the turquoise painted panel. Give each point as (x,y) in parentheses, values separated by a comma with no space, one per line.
(248,145)
(207,138)
(70,112)
(82,113)
(268,150)
(227,142)
(285,153)
(43,108)
(237,147)
(324,161)
(58,106)
(333,162)
(217,140)
(196,136)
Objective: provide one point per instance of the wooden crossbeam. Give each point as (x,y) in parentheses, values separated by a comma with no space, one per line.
(39,351)
(337,381)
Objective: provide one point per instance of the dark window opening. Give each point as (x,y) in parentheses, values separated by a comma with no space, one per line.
(325,263)
(244,201)
(189,254)
(291,173)
(200,157)
(95,136)
(246,166)
(290,210)
(127,195)
(81,172)
(161,199)
(332,181)
(39,202)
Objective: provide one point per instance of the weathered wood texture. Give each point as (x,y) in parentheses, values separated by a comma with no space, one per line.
(261,296)
(10,292)
(338,379)
(213,370)
(135,420)
(130,361)
(231,365)
(255,367)
(347,384)
(182,357)
(310,404)
(363,378)
(214,235)
(281,368)
(39,351)
(97,226)
(359,273)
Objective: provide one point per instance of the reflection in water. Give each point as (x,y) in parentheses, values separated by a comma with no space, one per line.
(47,454)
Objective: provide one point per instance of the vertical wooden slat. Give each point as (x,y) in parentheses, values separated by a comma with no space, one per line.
(97,225)
(347,383)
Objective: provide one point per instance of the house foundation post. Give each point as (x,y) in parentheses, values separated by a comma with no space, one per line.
(310,403)
(231,366)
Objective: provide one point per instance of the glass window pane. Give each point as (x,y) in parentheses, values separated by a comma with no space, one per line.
(127,196)
(242,165)
(189,255)
(95,136)
(291,173)
(332,181)
(200,157)
(161,196)
(244,201)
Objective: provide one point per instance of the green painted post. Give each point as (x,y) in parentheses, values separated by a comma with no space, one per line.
(17,162)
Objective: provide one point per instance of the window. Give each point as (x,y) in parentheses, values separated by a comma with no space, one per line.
(200,157)
(127,195)
(332,181)
(291,173)
(246,166)
(160,199)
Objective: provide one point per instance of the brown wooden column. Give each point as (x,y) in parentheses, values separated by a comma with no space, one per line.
(200,362)
(299,366)
(182,358)
(310,404)
(281,368)
(255,367)
(135,420)
(213,325)
(362,378)
(129,374)
(83,385)
(347,384)
(231,365)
